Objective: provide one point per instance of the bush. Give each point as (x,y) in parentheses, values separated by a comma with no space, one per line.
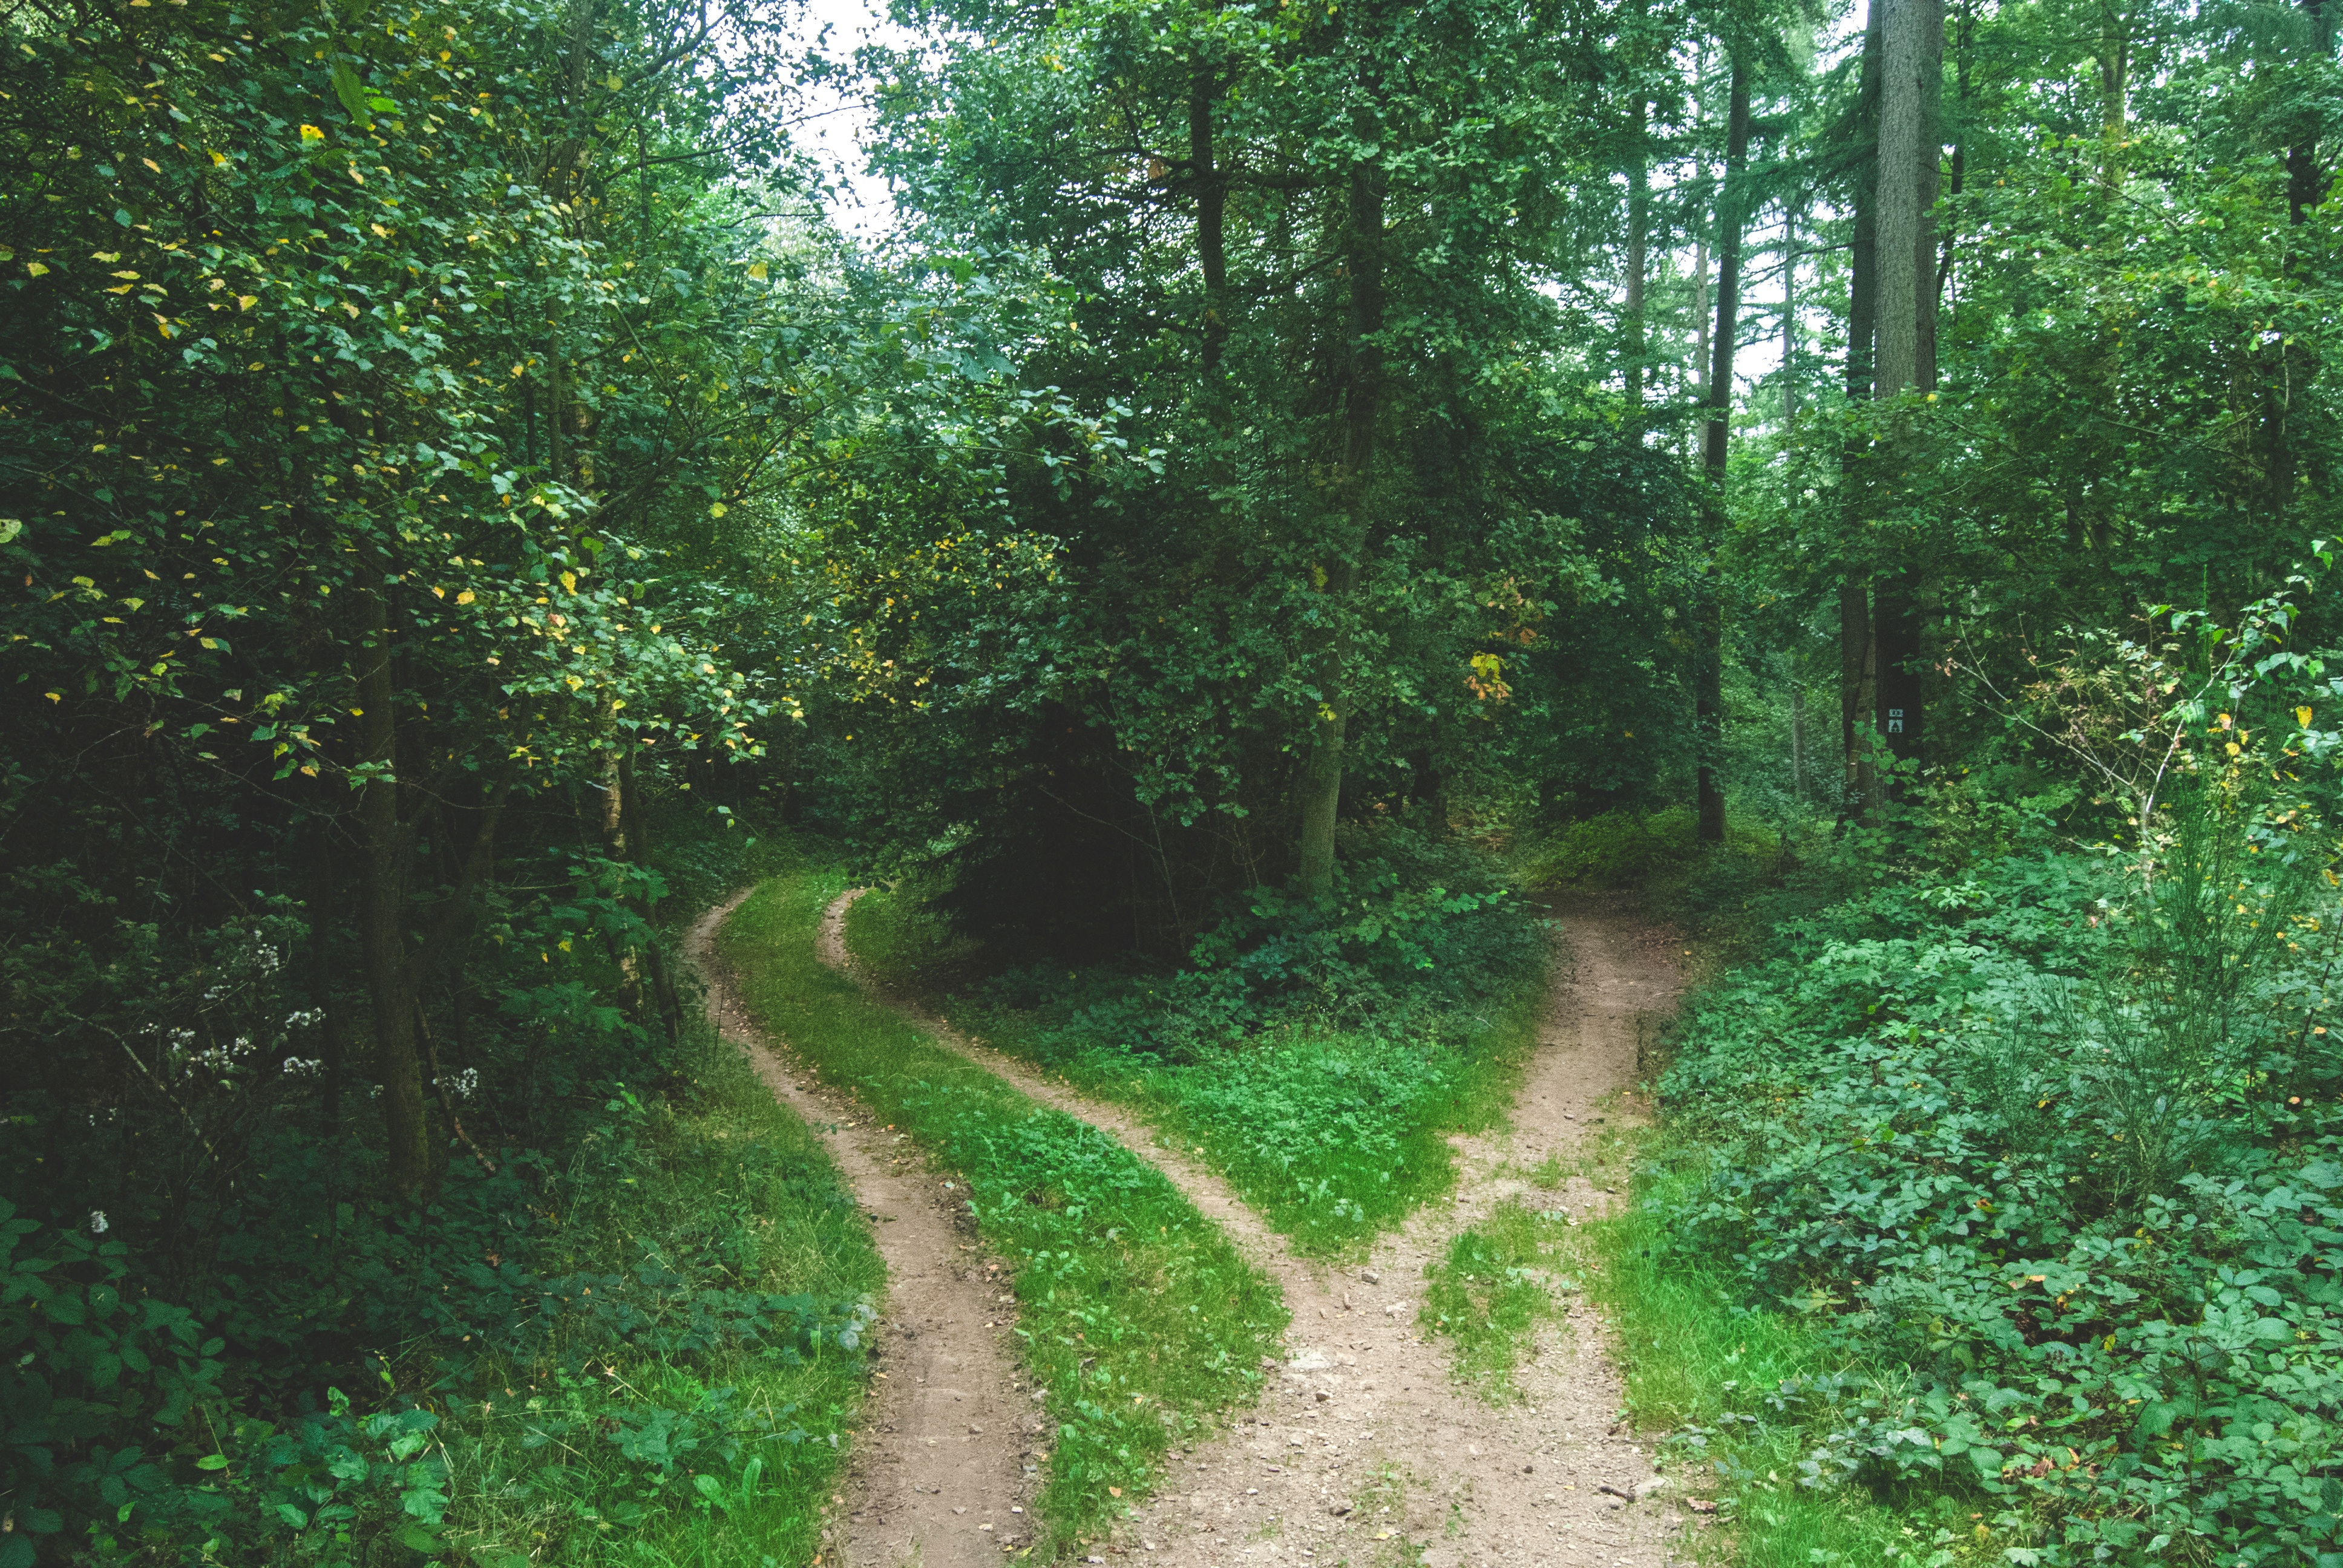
(2068,1147)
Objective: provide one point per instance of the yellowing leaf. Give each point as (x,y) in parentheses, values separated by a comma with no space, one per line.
(218,159)
(129,275)
(37,269)
(2302,717)
(757,270)
(464,598)
(312,134)
(568,582)
(246,301)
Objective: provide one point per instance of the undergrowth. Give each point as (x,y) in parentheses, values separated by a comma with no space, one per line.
(1318,1059)
(717,1281)
(1134,1312)
(637,1339)
(1997,1214)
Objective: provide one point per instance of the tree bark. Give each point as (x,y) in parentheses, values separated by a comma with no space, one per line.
(1639,228)
(1709,694)
(1902,193)
(2115,93)
(1790,253)
(1861,321)
(1911,84)
(1321,773)
(1212,208)
(382,902)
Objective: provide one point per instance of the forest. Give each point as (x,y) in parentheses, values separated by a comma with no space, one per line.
(608,773)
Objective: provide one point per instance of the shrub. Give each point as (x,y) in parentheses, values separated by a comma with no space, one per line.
(2068,1147)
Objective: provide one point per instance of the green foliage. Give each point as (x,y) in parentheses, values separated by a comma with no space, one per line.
(1502,1280)
(2060,1142)
(1135,1313)
(670,1404)
(1704,1365)
(1317,1055)
(1612,849)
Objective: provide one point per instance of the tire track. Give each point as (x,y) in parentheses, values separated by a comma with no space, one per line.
(939,1462)
(1363,1414)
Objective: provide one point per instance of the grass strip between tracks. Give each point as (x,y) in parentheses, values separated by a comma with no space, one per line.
(1334,1136)
(1133,1311)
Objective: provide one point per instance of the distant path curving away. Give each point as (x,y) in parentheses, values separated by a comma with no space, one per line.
(938,1476)
(1363,1409)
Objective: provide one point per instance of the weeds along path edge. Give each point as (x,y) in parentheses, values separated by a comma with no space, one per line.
(937,1459)
(1213,1197)
(1366,1448)
(1140,1323)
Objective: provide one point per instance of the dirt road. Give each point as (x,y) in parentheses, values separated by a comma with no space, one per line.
(1366,1449)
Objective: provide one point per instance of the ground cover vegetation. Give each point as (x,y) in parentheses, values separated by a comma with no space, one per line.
(1134,1314)
(1317,1054)
(1291,480)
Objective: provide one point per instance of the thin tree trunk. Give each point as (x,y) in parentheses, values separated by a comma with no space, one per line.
(638,845)
(2304,177)
(1321,773)
(1212,204)
(1789,313)
(2114,93)
(382,903)
(1797,740)
(1709,696)
(1862,320)
(1639,225)
(1700,346)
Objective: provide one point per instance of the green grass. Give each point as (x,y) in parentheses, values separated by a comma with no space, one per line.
(1698,1369)
(1334,1136)
(1500,1280)
(1134,1312)
(718,1182)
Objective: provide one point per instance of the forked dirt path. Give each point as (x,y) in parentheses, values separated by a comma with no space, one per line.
(1365,1450)
(938,1476)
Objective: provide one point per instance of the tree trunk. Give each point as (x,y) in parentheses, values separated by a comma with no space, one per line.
(1910,145)
(2115,93)
(1797,740)
(1789,313)
(1211,205)
(1903,193)
(1321,773)
(639,846)
(382,903)
(1861,321)
(1639,228)
(1709,697)
(2305,178)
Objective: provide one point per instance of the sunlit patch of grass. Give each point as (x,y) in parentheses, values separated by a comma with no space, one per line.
(1334,1135)
(1501,1282)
